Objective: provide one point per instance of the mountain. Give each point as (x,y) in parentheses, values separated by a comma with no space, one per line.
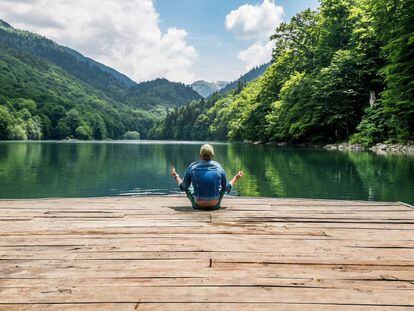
(247,77)
(48,91)
(205,88)
(199,120)
(160,92)
(109,81)
(4,24)
(95,74)
(39,100)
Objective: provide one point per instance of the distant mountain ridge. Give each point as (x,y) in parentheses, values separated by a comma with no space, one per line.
(82,67)
(160,92)
(247,77)
(108,80)
(206,89)
(5,24)
(116,74)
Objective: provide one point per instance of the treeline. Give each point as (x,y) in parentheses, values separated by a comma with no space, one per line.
(343,72)
(38,100)
(187,122)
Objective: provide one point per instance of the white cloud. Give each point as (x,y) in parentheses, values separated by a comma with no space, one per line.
(257,54)
(255,22)
(123,34)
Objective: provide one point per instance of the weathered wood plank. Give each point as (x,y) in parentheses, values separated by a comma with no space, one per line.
(196,306)
(214,279)
(155,253)
(205,294)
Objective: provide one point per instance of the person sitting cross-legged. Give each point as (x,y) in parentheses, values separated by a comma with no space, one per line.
(208,181)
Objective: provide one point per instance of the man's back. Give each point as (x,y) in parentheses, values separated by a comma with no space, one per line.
(208,179)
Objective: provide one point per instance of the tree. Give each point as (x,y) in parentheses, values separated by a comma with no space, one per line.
(390,118)
(68,125)
(83,132)
(6,120)
(335,26)
(343,72)
(396,28)
(300,36)
(17,131)
(34,128)
(131,135)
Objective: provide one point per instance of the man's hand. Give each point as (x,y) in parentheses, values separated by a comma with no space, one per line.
(239,175)
(174,173)
(236,178)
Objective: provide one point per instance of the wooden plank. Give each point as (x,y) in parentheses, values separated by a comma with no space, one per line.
(196,306)
(193,267)
(206,294)
(213,279)
(257,254)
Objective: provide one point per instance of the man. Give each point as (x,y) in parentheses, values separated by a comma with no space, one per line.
(208,179)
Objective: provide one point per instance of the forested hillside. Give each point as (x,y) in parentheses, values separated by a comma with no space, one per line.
(188,122)
(159,92)
(38,100)
(344,72)
(85,69)
(52,92)
(147,95)
(244,79)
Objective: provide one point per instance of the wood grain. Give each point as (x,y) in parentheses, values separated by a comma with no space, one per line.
(156,253)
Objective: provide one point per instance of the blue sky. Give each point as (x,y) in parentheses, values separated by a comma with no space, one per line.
(204,22)
(181,40)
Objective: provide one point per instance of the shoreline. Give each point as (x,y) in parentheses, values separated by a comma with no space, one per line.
(380,148)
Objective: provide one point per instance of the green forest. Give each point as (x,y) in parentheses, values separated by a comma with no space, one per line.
(344,72)
(48,91)
(40,101)
(341,73)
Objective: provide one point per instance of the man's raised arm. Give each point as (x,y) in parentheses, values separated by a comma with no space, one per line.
(236,178)
(174,174)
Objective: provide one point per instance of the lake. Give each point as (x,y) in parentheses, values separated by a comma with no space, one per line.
(84,169)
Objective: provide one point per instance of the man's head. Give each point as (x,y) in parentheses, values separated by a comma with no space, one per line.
(206,152)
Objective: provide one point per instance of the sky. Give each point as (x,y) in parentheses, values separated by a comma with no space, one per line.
(181,40)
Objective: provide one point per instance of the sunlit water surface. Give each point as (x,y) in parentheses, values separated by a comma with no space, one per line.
(84,169)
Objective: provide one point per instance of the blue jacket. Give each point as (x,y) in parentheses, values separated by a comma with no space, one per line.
(208,179)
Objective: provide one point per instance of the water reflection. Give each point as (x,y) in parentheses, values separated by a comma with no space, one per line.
(47,169)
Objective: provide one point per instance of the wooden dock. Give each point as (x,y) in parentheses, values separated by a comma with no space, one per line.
(155,253)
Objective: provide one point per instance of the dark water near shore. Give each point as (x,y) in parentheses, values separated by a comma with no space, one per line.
(81,169)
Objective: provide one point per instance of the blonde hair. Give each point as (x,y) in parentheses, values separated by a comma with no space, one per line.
(206,152)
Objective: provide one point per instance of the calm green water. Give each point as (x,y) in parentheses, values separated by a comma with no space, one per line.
(81,169)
